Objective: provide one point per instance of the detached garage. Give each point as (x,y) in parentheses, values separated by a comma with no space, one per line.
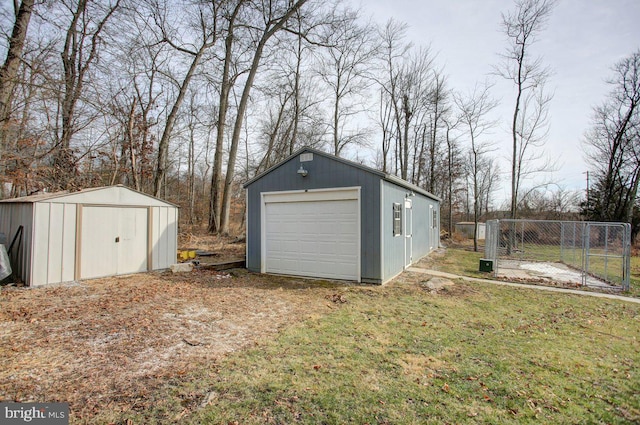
(107,231)
(319,215)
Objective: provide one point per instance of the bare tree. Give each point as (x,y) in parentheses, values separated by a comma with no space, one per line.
(392,52)
(9,76)
(613,146)
(439,109)
(226,83)
(206,25)
(272,17)
(416,92)
(474,109)
(9,70)
(344,69)
(528,74)
(454,167)
(80,50)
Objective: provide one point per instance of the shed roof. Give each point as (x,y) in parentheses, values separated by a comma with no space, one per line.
(385,176)
(78,196)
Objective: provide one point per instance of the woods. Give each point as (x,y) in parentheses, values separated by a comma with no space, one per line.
(186,100)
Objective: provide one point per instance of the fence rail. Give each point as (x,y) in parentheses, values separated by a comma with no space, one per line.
(575,252)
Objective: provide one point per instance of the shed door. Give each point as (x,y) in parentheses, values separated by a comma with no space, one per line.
(408,233)
(113,241)
(314,234)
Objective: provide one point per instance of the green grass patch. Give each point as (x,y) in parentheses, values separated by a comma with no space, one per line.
(472,354)
(634,284)
(458,261)
(399,354)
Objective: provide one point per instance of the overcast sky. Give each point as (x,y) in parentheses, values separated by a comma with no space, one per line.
(582,41)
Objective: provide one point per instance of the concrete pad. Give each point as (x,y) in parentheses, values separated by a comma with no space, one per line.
(436,283)
(181,267)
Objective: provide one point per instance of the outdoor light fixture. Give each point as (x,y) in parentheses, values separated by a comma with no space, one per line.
(302,171)
(412,193)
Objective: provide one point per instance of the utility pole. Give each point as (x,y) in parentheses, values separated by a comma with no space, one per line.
(587,173)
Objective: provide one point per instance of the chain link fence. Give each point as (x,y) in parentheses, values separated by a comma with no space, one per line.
(572,253)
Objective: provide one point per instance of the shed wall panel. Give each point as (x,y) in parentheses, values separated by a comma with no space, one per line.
(40,259)
(161,236)
(164,237)
(56,238)
(171,236)
(393,246)
(69,243)
(12,216)
(155,236)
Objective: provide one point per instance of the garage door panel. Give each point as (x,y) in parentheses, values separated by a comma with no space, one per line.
(314,238)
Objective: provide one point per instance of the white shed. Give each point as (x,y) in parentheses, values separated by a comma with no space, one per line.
(466,229)
(105,231)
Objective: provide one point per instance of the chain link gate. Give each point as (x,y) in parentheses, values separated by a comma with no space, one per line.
(572,253)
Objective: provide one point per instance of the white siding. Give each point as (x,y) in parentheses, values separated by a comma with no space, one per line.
(171,241)
(69,243)
(53,244)
(164,237)
(40,259)
(56,237)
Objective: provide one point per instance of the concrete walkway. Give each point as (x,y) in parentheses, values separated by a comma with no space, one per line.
(437,273)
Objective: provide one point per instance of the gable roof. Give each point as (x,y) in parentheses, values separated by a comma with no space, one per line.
(44,197)
(385,176)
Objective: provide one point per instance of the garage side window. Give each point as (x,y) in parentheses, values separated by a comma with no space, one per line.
(397,219)
(435,219)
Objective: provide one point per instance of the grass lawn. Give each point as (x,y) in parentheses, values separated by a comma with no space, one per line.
(402,354)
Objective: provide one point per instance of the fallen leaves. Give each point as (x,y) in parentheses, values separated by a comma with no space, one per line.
(105,345)
(336,298)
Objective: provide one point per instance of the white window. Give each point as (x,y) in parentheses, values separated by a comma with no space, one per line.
(397,219)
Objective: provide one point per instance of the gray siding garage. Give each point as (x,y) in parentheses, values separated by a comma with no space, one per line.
(318,215)
(87,234)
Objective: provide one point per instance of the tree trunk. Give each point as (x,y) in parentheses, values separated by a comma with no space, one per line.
(75,68)
(296,94)
(9,70)
(132,149)
(242,107)
(8,74)
(215,206)
(163,145)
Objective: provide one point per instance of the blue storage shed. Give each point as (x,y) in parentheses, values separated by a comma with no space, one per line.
(318,215)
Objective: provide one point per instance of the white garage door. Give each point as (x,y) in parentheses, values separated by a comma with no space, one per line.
(314,234)
(113,241)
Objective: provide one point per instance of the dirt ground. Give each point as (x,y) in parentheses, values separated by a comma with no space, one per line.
(108,344)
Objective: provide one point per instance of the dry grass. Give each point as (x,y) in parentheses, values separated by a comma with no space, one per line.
(107,345)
